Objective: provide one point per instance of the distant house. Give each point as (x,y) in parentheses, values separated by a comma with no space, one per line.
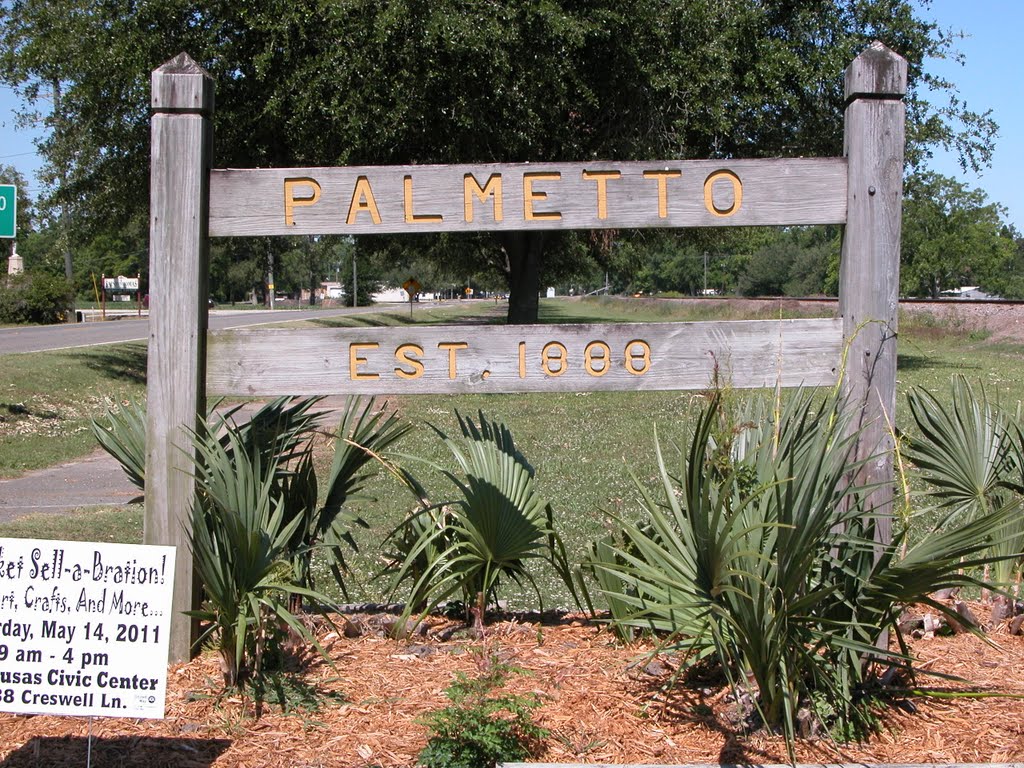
(390,295)
(332,290)
(966,292)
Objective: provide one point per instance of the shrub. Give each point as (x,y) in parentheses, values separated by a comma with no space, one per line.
(480,729)
(34,298)
(281,432)
(257,517)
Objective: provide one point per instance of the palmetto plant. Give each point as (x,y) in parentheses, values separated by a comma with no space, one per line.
(122,434)
(971,454)
(495,528)
(279,429)
(281,432)
(257,518)
(363,434)
(767,562)
(240,540)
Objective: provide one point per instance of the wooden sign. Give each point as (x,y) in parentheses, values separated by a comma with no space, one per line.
(464,198)
(537,358)
(189,203)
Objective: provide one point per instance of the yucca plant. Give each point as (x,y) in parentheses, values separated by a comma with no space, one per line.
(494,529)
(971,455)
(767,562)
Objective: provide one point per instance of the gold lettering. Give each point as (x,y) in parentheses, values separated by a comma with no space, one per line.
(452,347)
(644,356)
(410,217)
(362,200)
(530,197)
(603,356)
(470,187)
(355,361)
(601,177)
(554,352)
(662,177)
(290,200)
(403,356)
(522,359)
(709,193)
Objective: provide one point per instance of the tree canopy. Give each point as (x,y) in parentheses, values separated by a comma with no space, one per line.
(371,82)
(952,237)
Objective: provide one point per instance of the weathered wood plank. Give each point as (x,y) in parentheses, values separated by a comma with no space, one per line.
(545,358)
(870,262)
(515,197)
(175,389)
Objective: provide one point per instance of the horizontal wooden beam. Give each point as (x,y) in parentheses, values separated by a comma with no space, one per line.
(528,358)
(527,196)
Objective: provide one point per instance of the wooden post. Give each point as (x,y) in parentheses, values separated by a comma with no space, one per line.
(869,281)
(182,102)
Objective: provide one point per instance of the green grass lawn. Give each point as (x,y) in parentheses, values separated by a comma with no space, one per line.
(584,446)
(47,400)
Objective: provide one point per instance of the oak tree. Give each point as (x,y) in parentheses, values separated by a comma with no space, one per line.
(403,81)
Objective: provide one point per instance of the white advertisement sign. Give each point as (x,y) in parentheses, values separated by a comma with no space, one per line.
(84,627)
(121,283)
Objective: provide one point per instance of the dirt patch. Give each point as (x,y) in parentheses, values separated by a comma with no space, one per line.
(602,702)
(1003,322)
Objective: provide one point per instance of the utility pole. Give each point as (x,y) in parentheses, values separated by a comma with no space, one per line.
(355,282)
(68,269)
(705,273)
(65,230)
(270,278)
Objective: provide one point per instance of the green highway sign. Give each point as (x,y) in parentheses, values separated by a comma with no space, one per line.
(8,210)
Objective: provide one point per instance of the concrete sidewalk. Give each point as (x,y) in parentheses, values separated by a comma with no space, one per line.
(96,480)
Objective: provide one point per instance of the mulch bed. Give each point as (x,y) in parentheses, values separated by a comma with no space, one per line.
(602,702)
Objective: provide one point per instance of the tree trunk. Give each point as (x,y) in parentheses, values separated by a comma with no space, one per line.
(524,251)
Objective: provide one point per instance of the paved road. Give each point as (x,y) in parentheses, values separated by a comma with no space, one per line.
(96,480)
(49,337)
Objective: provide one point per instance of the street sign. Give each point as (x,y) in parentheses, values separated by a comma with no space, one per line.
(412,287)
(8,210)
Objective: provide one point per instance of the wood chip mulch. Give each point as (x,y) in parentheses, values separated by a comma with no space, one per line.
(602,703)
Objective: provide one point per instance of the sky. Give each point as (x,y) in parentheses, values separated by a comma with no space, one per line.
(989,80)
